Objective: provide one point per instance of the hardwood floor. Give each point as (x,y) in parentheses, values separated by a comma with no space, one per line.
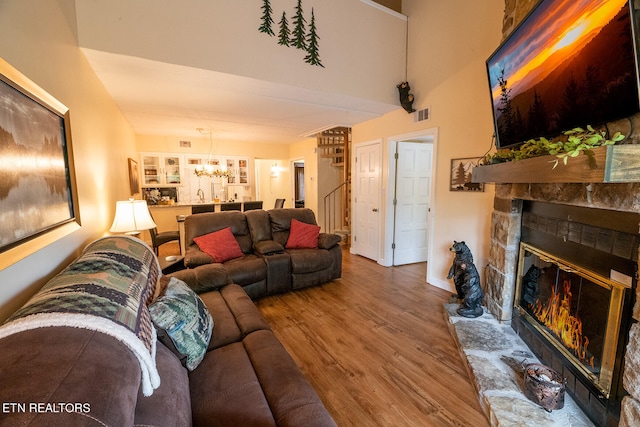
(376,348)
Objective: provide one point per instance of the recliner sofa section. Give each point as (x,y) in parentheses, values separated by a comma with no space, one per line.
(309,267)
(266,266)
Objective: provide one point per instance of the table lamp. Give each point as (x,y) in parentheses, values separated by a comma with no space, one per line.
(132,216)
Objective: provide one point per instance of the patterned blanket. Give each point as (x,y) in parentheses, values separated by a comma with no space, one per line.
(107,290)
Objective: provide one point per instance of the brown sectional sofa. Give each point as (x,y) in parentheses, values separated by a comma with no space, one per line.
(248,378)
(60,375)
(267,267)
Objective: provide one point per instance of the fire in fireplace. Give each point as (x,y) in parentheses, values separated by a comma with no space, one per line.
(577,310)
(556,314)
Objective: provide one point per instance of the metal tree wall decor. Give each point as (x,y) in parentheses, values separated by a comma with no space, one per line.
(312,43)
(284,35)
(266,18)
(299,37)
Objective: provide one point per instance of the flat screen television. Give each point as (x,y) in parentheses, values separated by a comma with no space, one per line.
(568,64)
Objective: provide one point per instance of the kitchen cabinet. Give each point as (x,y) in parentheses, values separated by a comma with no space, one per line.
(213,188)
(161,169)
(177,170)
(240,169)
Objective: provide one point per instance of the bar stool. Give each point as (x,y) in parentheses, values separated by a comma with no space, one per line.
(196,209)
(249,206)
(235,206)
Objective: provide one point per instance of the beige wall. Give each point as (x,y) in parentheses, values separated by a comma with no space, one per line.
(37,38)
(203,145)
(346,46)
(274,186)
(446,72)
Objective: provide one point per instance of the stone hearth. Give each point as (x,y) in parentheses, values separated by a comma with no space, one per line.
(495,358)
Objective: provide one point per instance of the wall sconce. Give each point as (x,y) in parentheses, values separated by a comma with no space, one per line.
(275,171)
(132,216)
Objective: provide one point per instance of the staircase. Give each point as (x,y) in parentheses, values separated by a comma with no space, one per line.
(334,144)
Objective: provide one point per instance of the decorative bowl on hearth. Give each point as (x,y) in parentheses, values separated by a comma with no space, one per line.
(544,386)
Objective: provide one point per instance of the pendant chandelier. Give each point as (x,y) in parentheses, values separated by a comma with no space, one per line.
(208,168)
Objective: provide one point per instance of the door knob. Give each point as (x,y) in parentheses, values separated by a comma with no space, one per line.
(375,209)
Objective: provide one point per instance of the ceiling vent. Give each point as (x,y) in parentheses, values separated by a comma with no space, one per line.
(421,115)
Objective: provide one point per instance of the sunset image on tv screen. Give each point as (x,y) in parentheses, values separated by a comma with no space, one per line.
(571,63)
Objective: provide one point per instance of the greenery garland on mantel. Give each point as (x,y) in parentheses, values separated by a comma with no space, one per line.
(299,38)
(570,144)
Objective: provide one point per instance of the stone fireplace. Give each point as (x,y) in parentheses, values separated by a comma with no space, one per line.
(502,275)
(514,221)
(575,282)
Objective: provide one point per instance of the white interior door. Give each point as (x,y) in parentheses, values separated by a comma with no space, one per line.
(413,187)
(367,200)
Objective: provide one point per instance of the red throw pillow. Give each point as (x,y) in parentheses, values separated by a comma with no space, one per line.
(302,235)
(219,245)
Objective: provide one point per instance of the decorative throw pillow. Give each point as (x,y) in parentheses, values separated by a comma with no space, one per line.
(182,315)
(219,245)
(302,235)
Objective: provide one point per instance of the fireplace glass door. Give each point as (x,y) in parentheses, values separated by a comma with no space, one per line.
(578,311)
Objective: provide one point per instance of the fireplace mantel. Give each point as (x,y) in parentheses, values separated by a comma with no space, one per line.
(613,164)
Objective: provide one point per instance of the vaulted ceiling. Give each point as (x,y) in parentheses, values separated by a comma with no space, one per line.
(170,71)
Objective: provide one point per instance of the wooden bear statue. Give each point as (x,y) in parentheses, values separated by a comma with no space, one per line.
(467,281)
(406,98)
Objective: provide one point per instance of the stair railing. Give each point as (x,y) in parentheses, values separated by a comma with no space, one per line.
(333,211)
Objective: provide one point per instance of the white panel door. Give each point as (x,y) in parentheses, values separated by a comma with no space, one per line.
(367,201)
(413,193)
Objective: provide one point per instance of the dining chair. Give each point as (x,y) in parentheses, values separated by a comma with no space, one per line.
(158,239)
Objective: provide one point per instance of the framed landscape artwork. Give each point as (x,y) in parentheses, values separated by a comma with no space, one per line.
(134,182)
(38,200)
(461,170)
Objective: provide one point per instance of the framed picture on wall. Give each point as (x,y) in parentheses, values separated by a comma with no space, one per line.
(461,170)
(134,181)
(38,197)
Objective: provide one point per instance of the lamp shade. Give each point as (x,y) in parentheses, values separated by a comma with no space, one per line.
(132,216)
